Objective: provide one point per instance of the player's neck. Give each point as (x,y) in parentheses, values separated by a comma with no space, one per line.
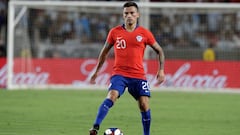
(130,28)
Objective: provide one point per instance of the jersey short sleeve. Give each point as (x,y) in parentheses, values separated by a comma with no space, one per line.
(110,36)
(150,38)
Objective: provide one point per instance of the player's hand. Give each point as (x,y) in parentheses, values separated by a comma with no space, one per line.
(160,76)
(93,78)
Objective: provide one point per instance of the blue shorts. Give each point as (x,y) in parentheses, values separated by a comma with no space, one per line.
(136,87)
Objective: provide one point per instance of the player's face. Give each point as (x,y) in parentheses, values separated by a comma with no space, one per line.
(130,15)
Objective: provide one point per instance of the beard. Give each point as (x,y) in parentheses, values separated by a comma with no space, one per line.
(129,22)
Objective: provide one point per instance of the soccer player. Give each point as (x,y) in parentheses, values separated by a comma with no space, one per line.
(129,42)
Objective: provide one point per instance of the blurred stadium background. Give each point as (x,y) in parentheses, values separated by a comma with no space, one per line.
(187,34)
(57,46)
(184,33)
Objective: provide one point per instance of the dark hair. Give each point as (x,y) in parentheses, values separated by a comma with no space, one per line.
(129,4)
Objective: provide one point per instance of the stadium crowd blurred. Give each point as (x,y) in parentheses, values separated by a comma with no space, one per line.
(3,25)
(178,30)
(198,30)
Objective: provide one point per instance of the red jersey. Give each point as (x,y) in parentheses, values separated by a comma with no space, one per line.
(129,50)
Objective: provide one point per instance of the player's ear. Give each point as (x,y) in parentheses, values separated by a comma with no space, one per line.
(123,15)
(138,13)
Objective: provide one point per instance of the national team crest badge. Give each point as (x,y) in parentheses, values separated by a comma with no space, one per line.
(139,38)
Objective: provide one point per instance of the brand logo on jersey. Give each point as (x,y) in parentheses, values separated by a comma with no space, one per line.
(119,38)
(139,38)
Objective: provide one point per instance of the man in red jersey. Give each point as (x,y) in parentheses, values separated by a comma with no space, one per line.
(129,41)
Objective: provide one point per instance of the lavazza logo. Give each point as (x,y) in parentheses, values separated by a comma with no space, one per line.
(180,78)
(29,78)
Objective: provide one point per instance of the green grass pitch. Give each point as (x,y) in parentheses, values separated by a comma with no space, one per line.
(72,112)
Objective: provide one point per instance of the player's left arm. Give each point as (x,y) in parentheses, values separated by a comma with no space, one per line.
(101,59)
(161,58)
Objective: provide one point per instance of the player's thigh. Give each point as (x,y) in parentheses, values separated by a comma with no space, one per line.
(117,84)
(113,95)
(138,88)
(143,103)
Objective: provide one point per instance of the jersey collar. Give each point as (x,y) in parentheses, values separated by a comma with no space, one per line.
(123,25)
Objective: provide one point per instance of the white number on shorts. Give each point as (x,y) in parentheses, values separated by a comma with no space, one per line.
(145,86)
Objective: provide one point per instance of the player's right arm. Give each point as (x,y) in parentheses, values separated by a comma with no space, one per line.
(161,58)
(101,59)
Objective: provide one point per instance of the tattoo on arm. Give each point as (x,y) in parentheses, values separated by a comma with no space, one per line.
(161,59)
(161,56)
